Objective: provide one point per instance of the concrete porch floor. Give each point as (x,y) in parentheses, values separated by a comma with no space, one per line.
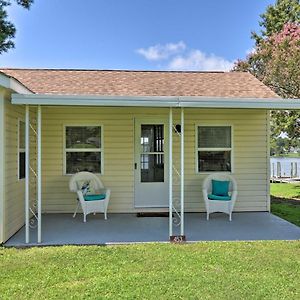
(62,229)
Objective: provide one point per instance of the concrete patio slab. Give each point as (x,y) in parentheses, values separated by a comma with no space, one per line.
(62,229)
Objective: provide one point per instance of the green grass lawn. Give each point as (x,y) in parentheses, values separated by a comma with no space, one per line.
(291,155)
(283,208)
(285,190)
(208,270)
(287,211)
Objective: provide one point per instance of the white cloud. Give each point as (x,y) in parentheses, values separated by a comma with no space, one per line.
(160,52)
(178,56)
(197,60)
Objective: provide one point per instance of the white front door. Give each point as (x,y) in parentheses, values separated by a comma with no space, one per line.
(151,163)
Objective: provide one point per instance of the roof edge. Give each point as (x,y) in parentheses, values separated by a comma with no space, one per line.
(115,70)
(13,84)
(157,101)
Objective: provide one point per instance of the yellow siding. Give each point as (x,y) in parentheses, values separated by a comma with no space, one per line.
(249,144)
(14,188)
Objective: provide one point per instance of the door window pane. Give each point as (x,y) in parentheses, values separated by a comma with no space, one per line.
(214,137)
(152,138)
(152,167)
(214,161)
(85,137)
(83,161)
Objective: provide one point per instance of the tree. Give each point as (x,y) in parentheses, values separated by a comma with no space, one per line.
(280,147)
(275,62)
(275,17)
(7,29)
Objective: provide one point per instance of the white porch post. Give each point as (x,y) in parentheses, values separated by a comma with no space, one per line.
(39,173)
(170,172)
(182,173)
(27,174)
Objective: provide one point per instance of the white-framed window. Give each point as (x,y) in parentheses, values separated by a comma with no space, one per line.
(83,149)
(214,148)
(21,149)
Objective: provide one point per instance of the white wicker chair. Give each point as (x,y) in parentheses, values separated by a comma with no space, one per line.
(219,205)
(88,207)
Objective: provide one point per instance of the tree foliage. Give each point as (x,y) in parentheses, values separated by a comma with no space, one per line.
(280,146)
(275,61)
(275,17)
(7,29)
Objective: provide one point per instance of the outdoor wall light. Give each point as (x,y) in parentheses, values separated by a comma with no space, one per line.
(178,128)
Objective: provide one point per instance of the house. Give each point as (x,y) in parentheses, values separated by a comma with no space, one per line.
(152,137)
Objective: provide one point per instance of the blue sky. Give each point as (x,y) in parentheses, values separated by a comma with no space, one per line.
(133,34)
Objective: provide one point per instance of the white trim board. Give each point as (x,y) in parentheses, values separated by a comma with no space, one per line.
(156,101)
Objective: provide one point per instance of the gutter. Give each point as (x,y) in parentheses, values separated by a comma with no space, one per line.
(156,101)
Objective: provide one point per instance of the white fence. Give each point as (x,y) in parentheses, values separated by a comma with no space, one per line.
(283,167)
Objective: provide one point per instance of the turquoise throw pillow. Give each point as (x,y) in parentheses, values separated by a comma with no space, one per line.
(94,197)
(221,198)
(220,188)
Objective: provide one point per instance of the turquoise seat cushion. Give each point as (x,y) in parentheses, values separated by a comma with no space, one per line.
(220,188)
(221,198)
(94,197)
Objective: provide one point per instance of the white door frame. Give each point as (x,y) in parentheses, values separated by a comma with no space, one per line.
(146,120)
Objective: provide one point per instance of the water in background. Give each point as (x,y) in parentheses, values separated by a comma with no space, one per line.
(285,169)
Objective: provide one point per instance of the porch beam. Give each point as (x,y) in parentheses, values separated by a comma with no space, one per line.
(182,174)
(39,173)
(27,172)
(170,172)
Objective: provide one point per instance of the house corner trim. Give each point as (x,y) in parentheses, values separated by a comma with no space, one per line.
(2,167)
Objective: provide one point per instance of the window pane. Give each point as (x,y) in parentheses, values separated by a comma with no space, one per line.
(21,165)
(83,161)
(21,135)
(214,161)
(214,137)
(83,137)
(152,168)
(152,138)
